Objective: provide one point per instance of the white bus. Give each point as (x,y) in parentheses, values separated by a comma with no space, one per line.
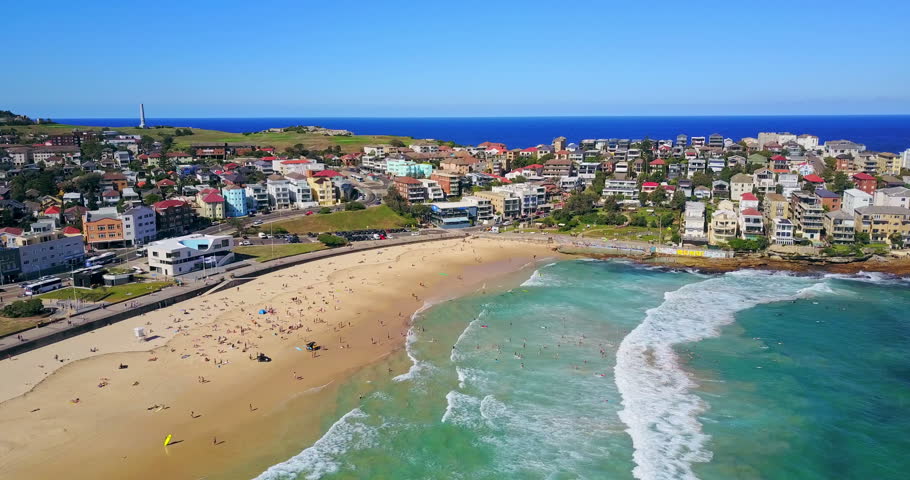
(102,259)
(42,286)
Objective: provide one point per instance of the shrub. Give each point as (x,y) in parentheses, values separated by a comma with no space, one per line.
(280,230)
(354,206)
(331,241)
(23,308)
(325,210)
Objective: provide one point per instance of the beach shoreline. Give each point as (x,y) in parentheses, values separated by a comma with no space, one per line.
(223,409)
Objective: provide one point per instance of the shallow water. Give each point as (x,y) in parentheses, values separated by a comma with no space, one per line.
(596,369)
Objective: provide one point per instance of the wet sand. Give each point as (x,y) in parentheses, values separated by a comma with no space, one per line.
(70,411)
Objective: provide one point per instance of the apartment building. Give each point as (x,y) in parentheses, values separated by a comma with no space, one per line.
(40,251)
(181,255)
(173,217)
(410,188)
(279,192)
(881,222)
(694,223)
(623,189)
(807,212)
(505,204)
(839,227)
(782,231)
(722,227)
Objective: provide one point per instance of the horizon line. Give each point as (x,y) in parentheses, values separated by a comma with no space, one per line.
(503,116)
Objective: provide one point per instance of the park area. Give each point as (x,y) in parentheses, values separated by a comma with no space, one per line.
(264,253)
(119,293)
(381,217)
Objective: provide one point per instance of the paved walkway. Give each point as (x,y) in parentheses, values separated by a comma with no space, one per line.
(104,315)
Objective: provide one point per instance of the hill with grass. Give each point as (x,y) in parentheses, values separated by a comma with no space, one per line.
(381,217)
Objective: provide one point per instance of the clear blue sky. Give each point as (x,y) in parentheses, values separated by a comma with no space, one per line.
(489,58)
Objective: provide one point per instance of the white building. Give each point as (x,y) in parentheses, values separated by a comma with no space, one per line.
(781,231)
(892,197)
(180,255)
(855,198)
(279,190)
(301,166)
(809,142)
(435,193)
(424,147)
(139,225)
(300,191)
(627,189)
(694,222)
(739,184)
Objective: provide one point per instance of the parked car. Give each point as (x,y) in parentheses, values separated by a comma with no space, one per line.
(262,235)
(245,243)
(257,223)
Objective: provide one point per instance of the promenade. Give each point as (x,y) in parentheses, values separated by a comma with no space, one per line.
(100,316)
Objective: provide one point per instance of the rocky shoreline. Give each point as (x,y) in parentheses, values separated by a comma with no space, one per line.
(899,266)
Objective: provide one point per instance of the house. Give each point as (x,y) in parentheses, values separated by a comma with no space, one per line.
(722,227)
(459,165)
(694,223)
(782,231)
(716,164)
(765,180)
(892,197)
(702,193)
(830,201)
(695,165)
(720,189)
(839,227)
(110,197)
(758,159)
(257,197)
(323,189)
(103,228)
(210,204)
(648,187)
(739,184)
(776,206)
(173,217)
(881,222)
(113,181)
(854,198)
(748,200)
(815,181)
(180,255)
(751,223)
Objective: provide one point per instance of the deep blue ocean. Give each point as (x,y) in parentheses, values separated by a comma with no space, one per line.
(890,133)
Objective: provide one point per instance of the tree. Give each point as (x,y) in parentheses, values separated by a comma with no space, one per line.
(395,201)
(678,202)
(658,196)
(703,179)
(350,206)
(325,210)
(610,204)
(331,241)
(23,308)
(280,230)
(91,149)
(840,182)
(861,238)
(146,143)
(151,199)
(580,203)
(396,143)
(421,212)
(597,185)
(897,240)
(235,223)
(519,179)
(644,198)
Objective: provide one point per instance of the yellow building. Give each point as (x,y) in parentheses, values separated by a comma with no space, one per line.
(323,190)
(882,222)
(887,163)
(723,224)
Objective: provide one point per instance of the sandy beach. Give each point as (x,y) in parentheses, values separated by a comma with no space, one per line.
(101,404)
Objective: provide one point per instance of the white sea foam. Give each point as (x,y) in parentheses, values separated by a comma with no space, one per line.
(456,354)
(321,459)
(462,410)
(416,365)
(659,409)
(871,277)
(538,279)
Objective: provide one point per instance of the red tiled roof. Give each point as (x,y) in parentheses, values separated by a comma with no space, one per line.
(749,196)
(213,198)
(71,231)
(166,183)
(650,184)
(779,158)
(165,204)
(231,166)
(658,162)
(530,149)
(814,178)
(111,194)
(11,230)
(178,154)
(296,162)
(863,176)
(52,211)
(327,173)
(143,157)
(751,212)
(269,159)
(407,180)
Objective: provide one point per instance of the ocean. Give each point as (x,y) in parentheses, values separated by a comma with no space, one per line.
(888,133)
(609,369)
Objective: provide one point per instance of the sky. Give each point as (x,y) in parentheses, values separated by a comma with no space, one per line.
(301,58)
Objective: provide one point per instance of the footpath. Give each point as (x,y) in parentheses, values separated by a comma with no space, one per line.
(243,272)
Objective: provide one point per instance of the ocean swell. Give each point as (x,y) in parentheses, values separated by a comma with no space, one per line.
(659,409)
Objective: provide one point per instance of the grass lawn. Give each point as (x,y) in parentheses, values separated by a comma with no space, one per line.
(13,325)
(279,140)
(264,253)
(374,217)
(115,294)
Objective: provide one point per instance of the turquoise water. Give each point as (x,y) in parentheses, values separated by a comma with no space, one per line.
(596,369)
